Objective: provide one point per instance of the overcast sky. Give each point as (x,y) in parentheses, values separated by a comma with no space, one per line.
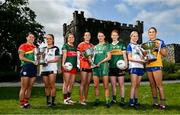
(163,14)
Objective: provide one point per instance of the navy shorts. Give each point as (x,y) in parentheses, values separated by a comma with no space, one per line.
(28,70)
(47,73)
(151,69)
(116,72)
(137,71)
(86,70)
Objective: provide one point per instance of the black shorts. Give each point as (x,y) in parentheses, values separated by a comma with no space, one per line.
(86,70)
(47,73)
(28,70)
(116,72)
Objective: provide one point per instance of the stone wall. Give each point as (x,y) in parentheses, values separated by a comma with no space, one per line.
(80,24)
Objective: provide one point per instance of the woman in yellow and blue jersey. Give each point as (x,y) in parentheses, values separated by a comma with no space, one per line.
(154,69)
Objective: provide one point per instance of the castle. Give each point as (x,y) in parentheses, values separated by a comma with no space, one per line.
(80,24)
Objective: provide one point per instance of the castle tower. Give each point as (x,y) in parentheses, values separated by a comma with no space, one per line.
(80,24)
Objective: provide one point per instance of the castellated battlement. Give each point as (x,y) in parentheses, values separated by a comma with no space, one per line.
(80,24)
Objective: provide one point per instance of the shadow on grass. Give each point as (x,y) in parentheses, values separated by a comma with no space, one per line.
(61,106)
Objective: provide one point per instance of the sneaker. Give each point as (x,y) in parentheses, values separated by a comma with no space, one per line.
(137,104)
(82,102)
(70,101)
(48,104)
(162,107)
(96,103)
(26,106)
(113,102)
(155,105)
(122,103)
(108,105)
(53,104)
(67,102)
(131,105)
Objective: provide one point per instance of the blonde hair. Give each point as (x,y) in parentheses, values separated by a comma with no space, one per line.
(132,33)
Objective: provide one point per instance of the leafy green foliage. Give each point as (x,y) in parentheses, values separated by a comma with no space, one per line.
(16,20)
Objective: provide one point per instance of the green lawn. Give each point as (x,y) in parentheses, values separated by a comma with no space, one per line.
(9,103)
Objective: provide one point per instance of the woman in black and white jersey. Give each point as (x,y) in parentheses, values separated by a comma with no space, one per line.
(49,71)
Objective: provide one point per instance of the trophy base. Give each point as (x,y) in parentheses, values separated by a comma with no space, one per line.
(93,66)
(43,63)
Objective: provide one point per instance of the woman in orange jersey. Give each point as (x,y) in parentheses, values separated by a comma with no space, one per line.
(154,69)
(85,67)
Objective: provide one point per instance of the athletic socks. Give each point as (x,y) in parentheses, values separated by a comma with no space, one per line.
(135,101)
(107,100)
(69,94)
(155,100)
(114,97)
(131,103)
(65,96)
(47,99)
(162,101)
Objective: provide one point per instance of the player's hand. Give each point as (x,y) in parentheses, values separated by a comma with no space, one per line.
(78,66)
(157,44)
(35,62)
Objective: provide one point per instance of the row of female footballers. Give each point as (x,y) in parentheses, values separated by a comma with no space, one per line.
(105,58)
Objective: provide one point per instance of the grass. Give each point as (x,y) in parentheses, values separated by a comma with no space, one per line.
(9,103)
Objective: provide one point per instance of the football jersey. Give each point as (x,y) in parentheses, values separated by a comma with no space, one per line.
(71,54)
(28,50)
(50,54)
(133,49)
(100,52)
(84,63)
(158,62)
(116,53)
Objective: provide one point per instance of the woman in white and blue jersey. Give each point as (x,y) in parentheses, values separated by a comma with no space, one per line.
(136,67)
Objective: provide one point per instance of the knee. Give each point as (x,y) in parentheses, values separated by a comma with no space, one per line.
(160,86)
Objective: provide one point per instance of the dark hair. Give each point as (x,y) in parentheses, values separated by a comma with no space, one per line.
(101,32)
(29,34)
(153,29)
(52,36)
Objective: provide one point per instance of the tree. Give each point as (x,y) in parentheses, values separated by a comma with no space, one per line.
(16,20)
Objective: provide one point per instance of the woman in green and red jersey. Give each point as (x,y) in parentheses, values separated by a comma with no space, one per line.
(85,67)
(69,54)
(28,71)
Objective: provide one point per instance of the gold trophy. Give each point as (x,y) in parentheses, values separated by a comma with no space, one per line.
(88,53)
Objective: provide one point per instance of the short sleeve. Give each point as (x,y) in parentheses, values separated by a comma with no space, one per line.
(21,48)
(108,48)
(79,48)
(64,47)
(123,46)
(163,45)
(129,48)
(57,51)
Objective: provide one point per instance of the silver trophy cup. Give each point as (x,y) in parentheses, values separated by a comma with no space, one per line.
(88,53)
(149,48)
(40,58)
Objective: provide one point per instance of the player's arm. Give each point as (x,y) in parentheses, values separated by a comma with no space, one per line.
(162,48)
(108,57)
(125,58)
(130,58)
(64,56)
(23,58)
(78,59)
